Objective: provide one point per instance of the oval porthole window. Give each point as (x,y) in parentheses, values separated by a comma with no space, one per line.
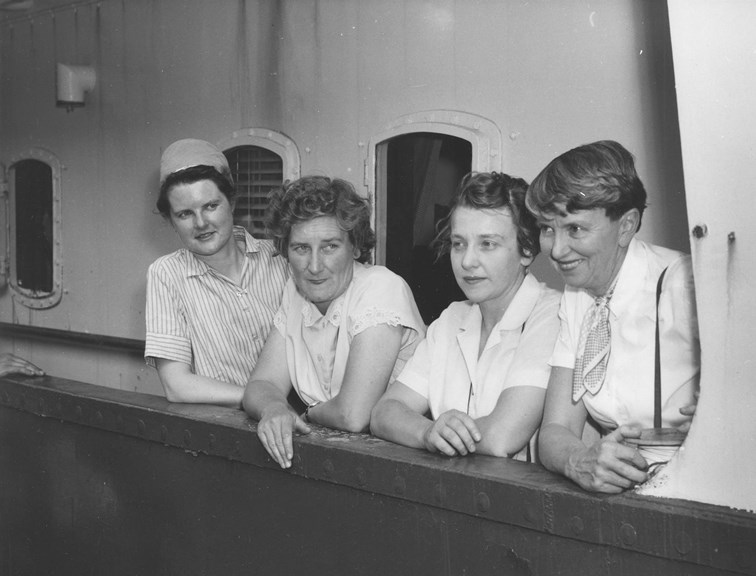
(35,271)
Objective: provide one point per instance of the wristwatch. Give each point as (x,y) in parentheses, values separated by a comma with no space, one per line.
(306,414)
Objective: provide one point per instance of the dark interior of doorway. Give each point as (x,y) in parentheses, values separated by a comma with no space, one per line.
(423,170)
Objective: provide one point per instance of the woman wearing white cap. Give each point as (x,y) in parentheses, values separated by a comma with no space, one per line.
(210,304)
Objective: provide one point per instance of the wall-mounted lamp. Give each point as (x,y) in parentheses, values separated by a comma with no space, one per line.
(73,82)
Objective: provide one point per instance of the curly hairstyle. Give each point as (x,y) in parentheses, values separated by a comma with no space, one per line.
(597,175)
(190,176)
(314,196)
(491,191)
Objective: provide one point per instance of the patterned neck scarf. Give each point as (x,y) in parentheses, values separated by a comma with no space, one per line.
(595,343)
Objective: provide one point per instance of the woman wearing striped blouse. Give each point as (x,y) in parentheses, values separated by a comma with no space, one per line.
(210,305)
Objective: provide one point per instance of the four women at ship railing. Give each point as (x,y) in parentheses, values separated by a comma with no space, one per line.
(347,337)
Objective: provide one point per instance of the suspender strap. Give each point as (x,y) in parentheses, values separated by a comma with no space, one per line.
(657,359)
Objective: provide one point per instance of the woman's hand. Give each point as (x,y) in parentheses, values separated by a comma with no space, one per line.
(609,465)
(275,430)
(265,401)
(452,433)
(12,364)
(689,410)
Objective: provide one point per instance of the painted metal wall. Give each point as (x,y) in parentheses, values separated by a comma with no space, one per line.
(101,481)
(716,63)
(330,74)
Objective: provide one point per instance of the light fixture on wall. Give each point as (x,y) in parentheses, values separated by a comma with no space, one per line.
(73,82)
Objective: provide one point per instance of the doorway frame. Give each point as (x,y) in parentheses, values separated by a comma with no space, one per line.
(482,133)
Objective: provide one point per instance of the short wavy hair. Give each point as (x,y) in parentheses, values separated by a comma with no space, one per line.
(190,176)
(492,191)
(597,175)
(313,196)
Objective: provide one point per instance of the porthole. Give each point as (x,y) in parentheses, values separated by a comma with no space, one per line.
(34,229)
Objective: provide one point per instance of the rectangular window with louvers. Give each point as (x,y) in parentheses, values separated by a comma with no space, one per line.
(256,171)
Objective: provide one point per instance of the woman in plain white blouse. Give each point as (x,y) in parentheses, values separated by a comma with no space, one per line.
(344,329)
(477,382)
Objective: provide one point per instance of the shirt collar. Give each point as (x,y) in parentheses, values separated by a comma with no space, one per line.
(517,312)
(310,313)
(631,279)
(196,267)
(472,320)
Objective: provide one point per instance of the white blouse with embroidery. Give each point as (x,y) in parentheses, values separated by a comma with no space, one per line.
(317,345)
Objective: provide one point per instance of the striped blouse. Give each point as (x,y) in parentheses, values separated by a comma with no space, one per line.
(197,316)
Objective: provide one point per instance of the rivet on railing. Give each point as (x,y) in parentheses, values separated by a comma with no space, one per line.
(683,543)
(577,525)
(399,485)
(742,557)
(628,534)
(439,493)
(483,502)
(530,514)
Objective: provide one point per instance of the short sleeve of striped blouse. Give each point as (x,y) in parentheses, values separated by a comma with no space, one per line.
(166,329)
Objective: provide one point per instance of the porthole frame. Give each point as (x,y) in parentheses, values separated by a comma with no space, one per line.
(32,298)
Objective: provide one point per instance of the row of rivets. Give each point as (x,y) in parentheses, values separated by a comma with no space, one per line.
(628,535)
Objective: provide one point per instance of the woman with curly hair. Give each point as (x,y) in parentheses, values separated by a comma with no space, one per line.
(477,382)
(344,328)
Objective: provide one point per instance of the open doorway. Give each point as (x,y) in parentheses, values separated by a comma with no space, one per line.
(421,171)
